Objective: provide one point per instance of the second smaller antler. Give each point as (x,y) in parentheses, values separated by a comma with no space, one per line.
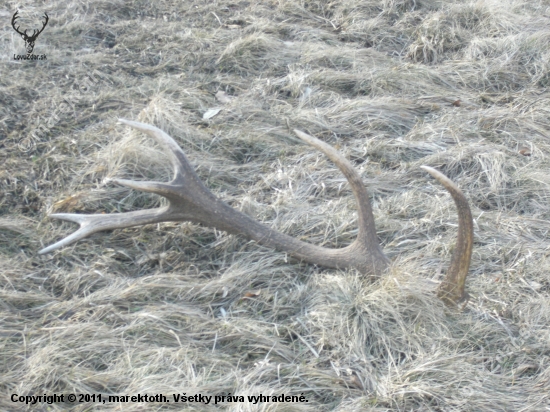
(190,200)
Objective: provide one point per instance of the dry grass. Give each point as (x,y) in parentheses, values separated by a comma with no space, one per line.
(178,308)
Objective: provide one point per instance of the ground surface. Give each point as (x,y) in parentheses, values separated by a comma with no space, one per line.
(178,308)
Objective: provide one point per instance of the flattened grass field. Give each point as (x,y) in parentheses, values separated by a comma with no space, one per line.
(184,310)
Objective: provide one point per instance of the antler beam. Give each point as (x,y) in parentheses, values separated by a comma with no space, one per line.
(190,200)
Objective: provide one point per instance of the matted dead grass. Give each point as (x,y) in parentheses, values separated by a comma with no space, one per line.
(176,308)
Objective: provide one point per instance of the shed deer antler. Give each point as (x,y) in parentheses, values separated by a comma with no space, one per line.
(190,200)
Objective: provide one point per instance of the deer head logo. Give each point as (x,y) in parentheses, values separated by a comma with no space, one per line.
(29,40)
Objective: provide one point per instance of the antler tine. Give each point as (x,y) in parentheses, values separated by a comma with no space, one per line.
(86,229)
(451,290)
(177,157)
(184,175)
(90,224)
(159,188)
(367,229)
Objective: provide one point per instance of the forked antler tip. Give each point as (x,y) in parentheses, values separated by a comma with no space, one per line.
(81,233)
(88,224)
